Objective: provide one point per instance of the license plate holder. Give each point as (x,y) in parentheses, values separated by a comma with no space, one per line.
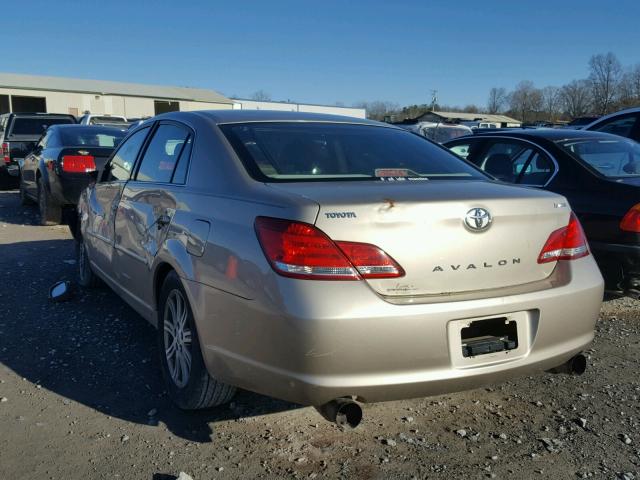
(489,336)
(480,341)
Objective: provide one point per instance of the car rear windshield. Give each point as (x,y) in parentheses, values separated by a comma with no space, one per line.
(35,126)
(610,157)
(91,136)
(109,120)
(309,151)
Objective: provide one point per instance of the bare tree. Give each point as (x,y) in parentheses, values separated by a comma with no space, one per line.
(576,98)
(605,73)
(261,96)
(378,109)
(634,79)
(629,88)
(471,108)
(497,99)
(551,102)
(525,100)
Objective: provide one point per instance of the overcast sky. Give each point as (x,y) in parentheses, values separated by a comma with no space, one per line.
(321,51)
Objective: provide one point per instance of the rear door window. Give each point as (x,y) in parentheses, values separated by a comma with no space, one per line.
(514,161)
(125,157)
(46,140)
(461,149)
(163,153)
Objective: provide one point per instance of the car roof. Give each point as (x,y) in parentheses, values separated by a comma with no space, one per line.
(551,134)
(78,125)
(612,115)
(38,114)
(242,116)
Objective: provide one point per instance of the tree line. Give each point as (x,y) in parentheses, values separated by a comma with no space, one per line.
(609,87)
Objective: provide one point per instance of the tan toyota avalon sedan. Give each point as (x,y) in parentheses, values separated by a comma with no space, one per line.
(329,260)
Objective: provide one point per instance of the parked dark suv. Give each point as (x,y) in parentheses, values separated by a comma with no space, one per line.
(19,133)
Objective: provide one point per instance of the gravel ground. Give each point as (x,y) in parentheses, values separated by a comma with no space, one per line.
(81,397)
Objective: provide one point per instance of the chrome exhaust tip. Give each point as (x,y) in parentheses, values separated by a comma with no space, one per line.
(341,411)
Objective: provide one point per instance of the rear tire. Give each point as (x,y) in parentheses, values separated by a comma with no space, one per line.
(24,197)
(5,180)
(50,213)
(188,382)
(86,277)
(70,217)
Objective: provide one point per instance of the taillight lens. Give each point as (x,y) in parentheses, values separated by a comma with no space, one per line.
(566,243)
(631,221)
(371,261)
(5,152)
(78,163)
(300,250)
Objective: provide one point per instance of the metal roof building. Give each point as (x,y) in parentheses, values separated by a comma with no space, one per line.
(248,104)
(34,93)
(459,117)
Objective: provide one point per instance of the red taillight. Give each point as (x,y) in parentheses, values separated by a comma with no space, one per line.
(300,250)
(631,221)
(78,163)
(370,261)
(566,243)
(5,152)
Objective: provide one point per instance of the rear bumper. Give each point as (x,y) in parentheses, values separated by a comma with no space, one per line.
(66,188)
(12,168)
(311,342)
(619,263)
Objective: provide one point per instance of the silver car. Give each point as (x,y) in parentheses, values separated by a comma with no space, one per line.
(328,260)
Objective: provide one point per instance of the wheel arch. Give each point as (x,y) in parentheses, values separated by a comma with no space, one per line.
(163,269)
(41,173)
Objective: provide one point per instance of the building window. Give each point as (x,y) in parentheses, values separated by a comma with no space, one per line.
(162,106)
(21,103)
(4,104)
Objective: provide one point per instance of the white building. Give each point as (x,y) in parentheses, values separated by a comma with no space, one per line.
(245,104)
(34,93)
(31,93)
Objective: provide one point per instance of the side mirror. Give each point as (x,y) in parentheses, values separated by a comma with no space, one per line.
(60,291)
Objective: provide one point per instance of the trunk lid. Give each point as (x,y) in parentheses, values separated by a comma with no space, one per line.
(100,155)
(422,226)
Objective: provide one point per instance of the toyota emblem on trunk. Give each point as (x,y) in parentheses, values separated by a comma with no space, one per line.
(477,219)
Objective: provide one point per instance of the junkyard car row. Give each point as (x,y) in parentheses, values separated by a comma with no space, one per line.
(328,261)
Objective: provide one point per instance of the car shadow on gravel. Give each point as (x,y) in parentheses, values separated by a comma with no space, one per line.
(93,349)
(11,212)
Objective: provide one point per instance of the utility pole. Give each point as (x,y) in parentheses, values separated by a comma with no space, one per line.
(434,99)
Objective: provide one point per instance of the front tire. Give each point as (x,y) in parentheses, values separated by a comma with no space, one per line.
(50,213)
(86,277)
(188,382)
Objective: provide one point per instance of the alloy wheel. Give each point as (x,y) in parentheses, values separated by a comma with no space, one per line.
(177,338)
